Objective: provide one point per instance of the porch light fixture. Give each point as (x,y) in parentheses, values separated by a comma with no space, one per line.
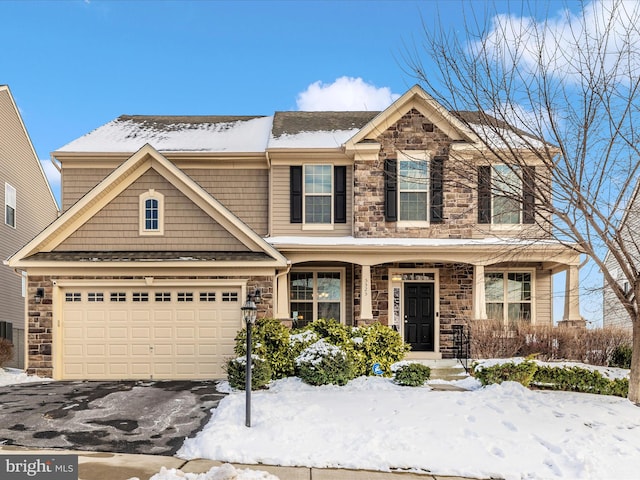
(396,277)
(39,296)
(249,314)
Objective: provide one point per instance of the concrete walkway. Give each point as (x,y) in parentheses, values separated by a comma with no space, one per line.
(121,466)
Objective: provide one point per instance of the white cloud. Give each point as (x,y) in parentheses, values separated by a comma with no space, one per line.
(53,175)
(346,93)
(568,44)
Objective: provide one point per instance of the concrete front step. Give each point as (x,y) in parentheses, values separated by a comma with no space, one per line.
(441,369)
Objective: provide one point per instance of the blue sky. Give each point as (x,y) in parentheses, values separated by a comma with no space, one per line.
(74,65)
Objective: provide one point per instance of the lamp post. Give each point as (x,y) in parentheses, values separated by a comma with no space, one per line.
(249,314)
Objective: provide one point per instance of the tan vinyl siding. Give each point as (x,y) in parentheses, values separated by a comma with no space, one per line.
(186,226)
(281,206)
(76,182)
(35,207)
(544,298)
(245,192)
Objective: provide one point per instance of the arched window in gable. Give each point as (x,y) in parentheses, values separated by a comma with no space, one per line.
(151,213)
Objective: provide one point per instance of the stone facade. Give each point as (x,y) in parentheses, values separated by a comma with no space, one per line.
(412,132)
(455,296)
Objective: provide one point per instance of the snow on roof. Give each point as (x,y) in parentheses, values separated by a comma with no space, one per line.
(328,139)
(179,134)
(404,242)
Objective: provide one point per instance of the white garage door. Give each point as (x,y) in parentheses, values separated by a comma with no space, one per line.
(148,333)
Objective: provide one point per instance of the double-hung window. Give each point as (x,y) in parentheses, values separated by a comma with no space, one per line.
(318,194)
(506,194)
(413,188)
(314,295)
(151,213)
(9,205)
(508,296)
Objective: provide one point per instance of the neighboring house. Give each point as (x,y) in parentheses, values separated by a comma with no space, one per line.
(613,313)
(170,222)
(29,206)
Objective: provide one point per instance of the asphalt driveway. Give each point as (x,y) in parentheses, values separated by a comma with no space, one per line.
(147,417)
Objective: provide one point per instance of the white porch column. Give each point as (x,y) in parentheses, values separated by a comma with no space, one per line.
(479,302)
(282,297)
(366,310)
(572,299)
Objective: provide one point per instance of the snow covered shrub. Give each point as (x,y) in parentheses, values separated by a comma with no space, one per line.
(521,372)
(270,340)
(260,372)
(323,363)
(411,374)
(332,331)
(576,379)
(6,351)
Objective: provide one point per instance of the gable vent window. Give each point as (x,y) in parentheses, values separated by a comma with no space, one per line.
(9,205)
(151,213)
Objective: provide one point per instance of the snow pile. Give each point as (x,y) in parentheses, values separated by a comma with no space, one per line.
(10,376)
(223,472)
(503,431)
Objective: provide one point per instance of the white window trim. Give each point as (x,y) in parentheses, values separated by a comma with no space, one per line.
(10,200)
(505,272)
(419,156)
(151,195)
(315,271)
(316,226)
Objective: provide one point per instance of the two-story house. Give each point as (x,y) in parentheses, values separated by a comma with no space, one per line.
(29,206)
(170,222)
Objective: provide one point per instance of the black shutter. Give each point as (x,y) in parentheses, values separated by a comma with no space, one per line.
(528,196)
(484,194)
(390,190)
(437,198)
(295,173)
(340,194)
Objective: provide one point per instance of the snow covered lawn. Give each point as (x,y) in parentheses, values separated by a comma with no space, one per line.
(504,431)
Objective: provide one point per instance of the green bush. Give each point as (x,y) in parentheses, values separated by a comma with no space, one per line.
(322,363)
(380,344)
(6,351)
(507,372)
(621,357)
(576,379)
(270,341)
(260,372)
(412,374)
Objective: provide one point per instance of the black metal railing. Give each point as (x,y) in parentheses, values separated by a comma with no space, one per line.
(462,344)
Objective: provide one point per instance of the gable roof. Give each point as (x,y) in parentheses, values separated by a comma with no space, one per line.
(129,133)
(122,177)
(416,98)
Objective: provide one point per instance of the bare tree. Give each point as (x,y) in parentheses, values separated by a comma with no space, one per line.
(563,94)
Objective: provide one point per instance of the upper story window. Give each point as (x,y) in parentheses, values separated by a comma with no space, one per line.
(413,188)
(151,213)
(318,195)
(505,195)
(9,205)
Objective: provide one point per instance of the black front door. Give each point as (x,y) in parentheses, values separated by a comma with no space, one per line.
(419,316)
